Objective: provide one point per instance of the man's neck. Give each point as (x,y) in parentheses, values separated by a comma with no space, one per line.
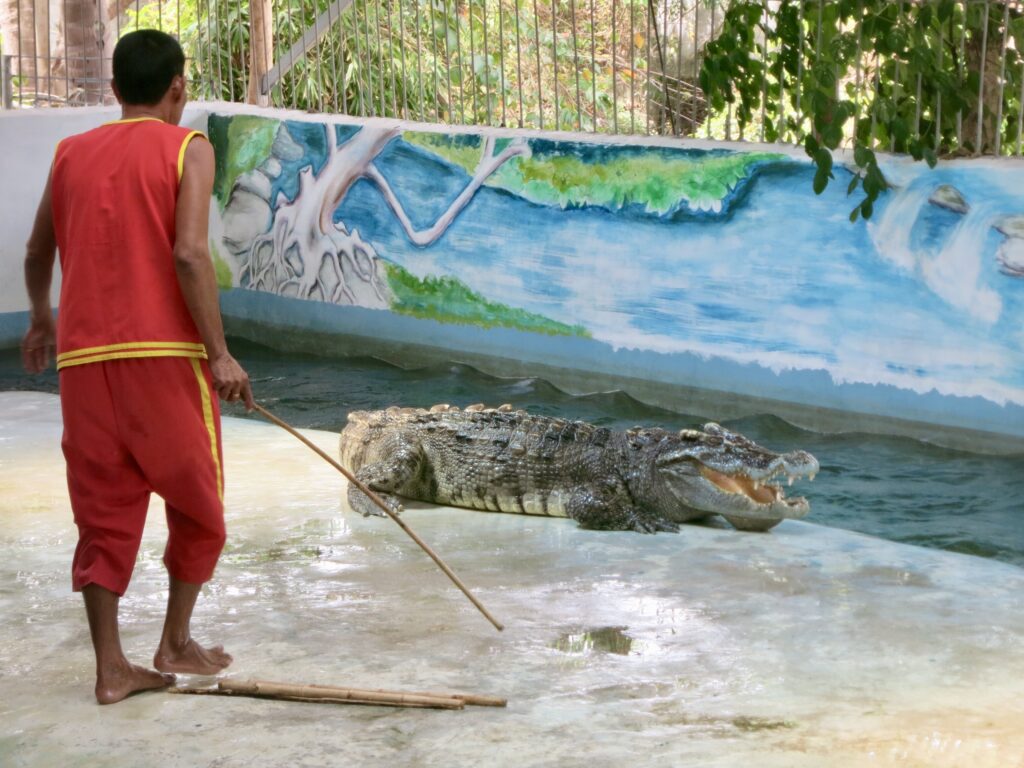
(136,111)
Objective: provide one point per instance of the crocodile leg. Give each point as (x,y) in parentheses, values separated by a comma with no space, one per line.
(612,511)
(385,478)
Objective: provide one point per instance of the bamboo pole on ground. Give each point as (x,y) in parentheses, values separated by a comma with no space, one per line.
(267,689)
(470,699)
(343,696)
(331,694)
(387,510)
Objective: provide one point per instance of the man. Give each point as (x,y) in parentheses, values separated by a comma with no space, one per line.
(140,347)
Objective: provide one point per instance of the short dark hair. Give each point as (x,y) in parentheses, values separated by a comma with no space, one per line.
(145,63)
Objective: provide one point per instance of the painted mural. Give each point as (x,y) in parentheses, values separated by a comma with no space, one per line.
(712,254)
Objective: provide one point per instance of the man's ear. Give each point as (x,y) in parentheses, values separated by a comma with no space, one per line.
(113,87)
(178,87)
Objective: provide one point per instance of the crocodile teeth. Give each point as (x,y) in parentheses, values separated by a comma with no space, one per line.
(811,476)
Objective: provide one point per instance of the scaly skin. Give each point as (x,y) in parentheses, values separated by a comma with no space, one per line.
(500,460)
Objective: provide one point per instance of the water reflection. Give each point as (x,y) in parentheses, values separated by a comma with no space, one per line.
(602,640)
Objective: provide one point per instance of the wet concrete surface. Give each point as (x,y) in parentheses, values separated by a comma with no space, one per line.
(806,646)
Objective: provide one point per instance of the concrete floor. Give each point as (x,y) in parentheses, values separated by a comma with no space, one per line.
(807,646)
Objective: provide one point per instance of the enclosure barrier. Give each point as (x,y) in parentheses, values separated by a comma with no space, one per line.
(606,66)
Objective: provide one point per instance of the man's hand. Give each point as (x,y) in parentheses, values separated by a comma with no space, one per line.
(37,346)
(231,381)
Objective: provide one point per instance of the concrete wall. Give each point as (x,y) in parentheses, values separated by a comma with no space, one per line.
(705,277)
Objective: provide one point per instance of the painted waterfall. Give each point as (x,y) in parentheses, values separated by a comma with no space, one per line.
(703,258)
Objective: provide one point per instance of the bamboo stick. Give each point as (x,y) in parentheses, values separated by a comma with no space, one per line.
(471,699)
(319,700)
(265,689)
(335,693)
(387,510)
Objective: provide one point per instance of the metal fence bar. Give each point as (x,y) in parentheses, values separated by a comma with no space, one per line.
(390,58)
(334,64)
(405,81)
(487,68)
(554,59)
(519,63)
(540,91)
(981,82)
(938,97)
(1020,110)
(7,97)
(593,68)
(458,51)
(501,59)
(1002,76)
(632,67)
(422,113)
(576,66)
(447,59)
(448,66)
(231,73)
(615,71)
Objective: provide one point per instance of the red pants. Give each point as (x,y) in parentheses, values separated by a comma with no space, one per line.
(132,427)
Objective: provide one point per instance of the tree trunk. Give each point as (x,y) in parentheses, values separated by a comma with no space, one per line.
(80,43)
(24,35)
(261,49)
(986,104)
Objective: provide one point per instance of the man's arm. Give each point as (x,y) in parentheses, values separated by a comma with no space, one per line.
(195,270)
(37,345)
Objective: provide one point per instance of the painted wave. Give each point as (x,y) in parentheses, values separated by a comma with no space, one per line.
(651,181)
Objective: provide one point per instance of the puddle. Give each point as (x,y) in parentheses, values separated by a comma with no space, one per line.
(600,640)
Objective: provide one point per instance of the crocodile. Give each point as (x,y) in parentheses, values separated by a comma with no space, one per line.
(644,479)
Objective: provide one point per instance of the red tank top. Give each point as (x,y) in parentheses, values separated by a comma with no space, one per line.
(114,195)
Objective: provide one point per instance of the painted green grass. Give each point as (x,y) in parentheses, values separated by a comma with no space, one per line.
(243,142)
(448,300)
(221,268)
(652,181)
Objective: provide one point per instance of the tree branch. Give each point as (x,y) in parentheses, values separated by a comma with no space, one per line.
(488,165)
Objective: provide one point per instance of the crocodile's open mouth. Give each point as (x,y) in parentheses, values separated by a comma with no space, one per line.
(759,491)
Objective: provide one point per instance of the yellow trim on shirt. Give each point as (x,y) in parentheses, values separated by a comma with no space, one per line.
(132,120)
(184,146)
(184,346)
(128,354)
(211,428)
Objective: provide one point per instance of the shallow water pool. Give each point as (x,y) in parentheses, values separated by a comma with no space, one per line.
(896,488)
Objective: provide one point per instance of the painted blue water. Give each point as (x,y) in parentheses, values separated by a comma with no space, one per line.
(782,279)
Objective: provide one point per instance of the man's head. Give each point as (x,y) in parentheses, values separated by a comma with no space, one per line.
(149,70)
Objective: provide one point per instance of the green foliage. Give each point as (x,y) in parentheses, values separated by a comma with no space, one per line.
(448,300)
(656,182)
(478,62)
(902,76)
(249,139)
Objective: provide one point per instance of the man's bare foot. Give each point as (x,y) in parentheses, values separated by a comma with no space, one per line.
(118,682)
(191,659)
